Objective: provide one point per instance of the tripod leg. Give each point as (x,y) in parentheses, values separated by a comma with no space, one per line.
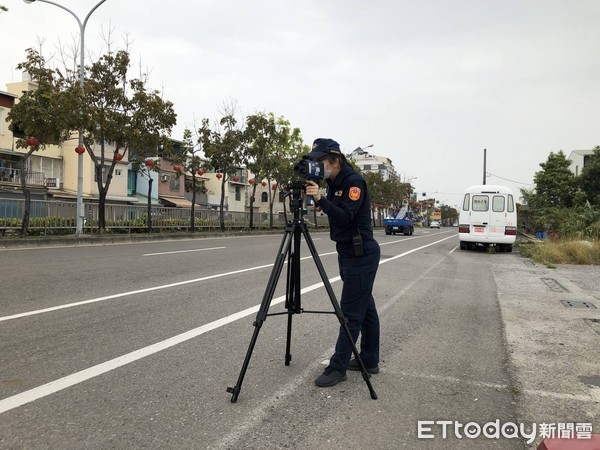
(337,309)
(264,308)
(293,302)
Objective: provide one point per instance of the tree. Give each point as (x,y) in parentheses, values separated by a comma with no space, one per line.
(190,162)
(223,148)
(555,184)
(589,180)
(122,114)
(44,114)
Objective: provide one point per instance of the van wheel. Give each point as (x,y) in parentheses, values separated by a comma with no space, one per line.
(508,248)
(387,230)
(463,246)
(412,230)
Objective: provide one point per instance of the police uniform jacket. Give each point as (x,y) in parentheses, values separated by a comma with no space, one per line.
(348,208)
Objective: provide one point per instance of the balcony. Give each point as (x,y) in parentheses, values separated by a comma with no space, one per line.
(11,175)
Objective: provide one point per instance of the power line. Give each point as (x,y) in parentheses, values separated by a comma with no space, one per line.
(506,179)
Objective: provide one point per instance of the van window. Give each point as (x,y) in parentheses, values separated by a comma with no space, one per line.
(498,203)
(466,202)
(511,204)
(481,203)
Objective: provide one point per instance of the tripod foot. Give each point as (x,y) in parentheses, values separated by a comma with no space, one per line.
(366,377)
(235,391)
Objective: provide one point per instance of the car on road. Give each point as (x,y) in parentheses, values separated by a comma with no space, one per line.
(434,224)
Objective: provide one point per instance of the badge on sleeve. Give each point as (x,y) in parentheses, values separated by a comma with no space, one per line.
(354,193)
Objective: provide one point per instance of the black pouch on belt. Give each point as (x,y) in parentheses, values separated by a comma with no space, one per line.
(357,244)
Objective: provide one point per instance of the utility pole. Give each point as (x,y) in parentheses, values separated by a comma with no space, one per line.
(484,162)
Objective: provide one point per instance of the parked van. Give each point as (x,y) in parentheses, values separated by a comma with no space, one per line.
(488,216)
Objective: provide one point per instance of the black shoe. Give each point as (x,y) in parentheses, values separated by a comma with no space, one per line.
(355,366)
(330,377)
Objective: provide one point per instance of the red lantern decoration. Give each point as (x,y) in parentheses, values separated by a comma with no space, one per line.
(177,168)
(251,181)
(118,156)
(149,163)
(200,172)
(219,176)
(32,141)
(264,183)
(274,186)
(236,178)
(80,149)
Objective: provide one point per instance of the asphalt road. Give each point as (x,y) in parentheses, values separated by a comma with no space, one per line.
(134,345)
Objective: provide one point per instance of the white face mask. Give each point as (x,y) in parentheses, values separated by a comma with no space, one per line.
(326,170)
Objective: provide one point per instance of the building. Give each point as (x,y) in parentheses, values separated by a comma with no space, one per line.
(579,158)
(373,163)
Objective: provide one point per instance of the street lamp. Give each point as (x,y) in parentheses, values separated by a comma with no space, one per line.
(82,25)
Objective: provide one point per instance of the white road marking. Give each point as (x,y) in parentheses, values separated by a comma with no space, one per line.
(184,251)
(78,377)
(52,387)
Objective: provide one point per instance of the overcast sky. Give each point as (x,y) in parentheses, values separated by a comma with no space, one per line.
(429,83)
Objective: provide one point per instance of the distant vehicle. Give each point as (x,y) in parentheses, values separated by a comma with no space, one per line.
(434,224)
(401,221)
(488,216)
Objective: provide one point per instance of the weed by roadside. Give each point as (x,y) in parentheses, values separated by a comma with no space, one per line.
(563,251)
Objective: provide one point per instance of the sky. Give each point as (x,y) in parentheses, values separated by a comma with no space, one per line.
(429,83)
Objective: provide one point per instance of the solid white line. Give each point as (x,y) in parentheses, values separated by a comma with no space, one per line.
(70,380)
(139,291)
(183,251)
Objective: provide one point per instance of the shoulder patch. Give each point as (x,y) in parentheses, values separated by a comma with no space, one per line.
(354,193)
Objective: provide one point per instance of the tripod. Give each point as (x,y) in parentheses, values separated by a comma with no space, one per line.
(290,249)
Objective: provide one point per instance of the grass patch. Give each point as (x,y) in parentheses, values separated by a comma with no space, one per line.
(552,252)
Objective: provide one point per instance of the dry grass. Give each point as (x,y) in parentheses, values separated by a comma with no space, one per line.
(553,252)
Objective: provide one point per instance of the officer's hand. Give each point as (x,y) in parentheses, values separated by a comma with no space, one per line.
(312,188)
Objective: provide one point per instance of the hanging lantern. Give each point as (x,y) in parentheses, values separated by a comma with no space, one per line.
(219,176)
(118,156)
(264,183)
(251,181)
(149,163)
(274,186)
(236,178)
(80,149)
(32,141)
(177,168)
(200,172)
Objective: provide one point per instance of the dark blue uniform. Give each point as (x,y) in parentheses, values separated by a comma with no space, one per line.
(348,208)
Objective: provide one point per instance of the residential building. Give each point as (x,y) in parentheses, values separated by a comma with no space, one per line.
(372,163)
(579,158)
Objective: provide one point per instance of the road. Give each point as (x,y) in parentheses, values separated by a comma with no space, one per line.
(134,345)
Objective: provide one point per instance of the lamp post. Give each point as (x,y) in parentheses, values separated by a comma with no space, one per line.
(82,25)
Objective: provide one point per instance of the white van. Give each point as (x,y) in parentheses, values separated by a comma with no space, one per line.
(488,216)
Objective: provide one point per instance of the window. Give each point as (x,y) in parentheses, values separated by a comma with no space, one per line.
(511,203)
(264,197)
(466,201)
(104,174)
(238,194)
(118,172)
(481,203)
(498,203)
(174,184)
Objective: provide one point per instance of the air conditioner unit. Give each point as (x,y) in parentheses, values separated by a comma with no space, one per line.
(165,177)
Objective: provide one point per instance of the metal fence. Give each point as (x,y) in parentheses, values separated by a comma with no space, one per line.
(59,217)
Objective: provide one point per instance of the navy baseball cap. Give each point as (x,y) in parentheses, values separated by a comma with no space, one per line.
(323,147)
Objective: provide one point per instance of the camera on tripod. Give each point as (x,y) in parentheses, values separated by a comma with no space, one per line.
(310,170)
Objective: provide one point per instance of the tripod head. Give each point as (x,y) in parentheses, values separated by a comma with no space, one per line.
(295,191)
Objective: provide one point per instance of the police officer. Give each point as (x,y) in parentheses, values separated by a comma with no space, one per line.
(348,209)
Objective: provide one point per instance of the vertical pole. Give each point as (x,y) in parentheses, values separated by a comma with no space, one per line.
(80,214)
(484,163)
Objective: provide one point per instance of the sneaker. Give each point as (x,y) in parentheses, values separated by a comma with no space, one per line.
(330,377)
(354,365)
